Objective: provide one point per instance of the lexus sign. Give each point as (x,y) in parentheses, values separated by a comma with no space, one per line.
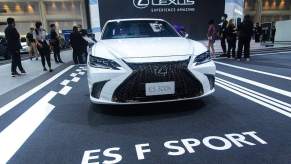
(141,4)
(194,15)
(146,3)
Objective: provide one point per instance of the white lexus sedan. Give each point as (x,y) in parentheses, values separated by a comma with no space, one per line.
(146,61)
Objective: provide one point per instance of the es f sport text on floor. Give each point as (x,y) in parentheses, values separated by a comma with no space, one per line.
(176,147)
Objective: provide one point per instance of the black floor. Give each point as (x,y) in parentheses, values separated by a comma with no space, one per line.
(76,129)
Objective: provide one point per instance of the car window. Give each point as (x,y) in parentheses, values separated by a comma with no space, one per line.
(138,29)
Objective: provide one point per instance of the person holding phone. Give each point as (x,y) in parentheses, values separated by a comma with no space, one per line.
(42,46)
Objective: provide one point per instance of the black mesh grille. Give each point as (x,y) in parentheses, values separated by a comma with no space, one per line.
(133,88)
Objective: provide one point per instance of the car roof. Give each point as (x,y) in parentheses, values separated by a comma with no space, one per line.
(134,19)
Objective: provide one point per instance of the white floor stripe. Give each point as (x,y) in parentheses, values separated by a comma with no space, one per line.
(253,70)
(261,85)
(272,53)
(65,82)
(81,73)
(75,79)
(254,92)
(78,70)
(73,74)
(268,101)
(15,135)
(65,90)
(254,100)
(23,97)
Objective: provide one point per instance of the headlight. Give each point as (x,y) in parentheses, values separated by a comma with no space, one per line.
(203,58)
(98,62)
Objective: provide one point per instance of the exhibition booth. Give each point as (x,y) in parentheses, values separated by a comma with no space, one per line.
(193,15)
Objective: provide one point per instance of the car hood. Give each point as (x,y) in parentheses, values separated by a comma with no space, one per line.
(148,47)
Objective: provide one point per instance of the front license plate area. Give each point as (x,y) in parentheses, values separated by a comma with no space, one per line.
(161,88)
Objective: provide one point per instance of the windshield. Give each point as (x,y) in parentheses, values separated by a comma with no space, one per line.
(138,29)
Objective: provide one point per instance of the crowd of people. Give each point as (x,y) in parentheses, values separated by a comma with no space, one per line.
(229,34)
(42,44)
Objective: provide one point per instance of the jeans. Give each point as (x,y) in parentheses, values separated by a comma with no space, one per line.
(223,44)
(231,47)
(57,51)
(45,54)
(16,61)
(77,56)
(244,44)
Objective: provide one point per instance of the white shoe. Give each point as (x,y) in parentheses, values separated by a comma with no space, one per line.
(237,59)
(248,59)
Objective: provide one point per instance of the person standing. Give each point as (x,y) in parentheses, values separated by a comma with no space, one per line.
(231,39)
(245,32)
(222,33)
(273,33)
(42,45)
(31,44)
(76,42)
(55,43)
(84,44)
(258,33)
(211,35)
(13,47)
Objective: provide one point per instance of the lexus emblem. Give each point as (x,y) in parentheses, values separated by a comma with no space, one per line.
(161,71)
(141,4)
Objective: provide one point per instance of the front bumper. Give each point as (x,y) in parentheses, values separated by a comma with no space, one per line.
(127,85)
